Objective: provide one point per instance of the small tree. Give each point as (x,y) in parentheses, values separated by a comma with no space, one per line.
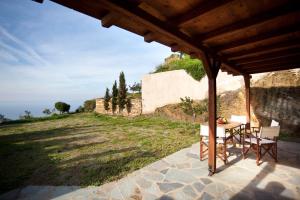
(79,109)
(2,118)
(136,87)
(128,105)
(62,107)
(46,111)
(106,100)
(122,92)
(89,105)
(27,115)
(114,99)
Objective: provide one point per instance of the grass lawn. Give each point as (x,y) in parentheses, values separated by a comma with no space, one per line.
(86,149)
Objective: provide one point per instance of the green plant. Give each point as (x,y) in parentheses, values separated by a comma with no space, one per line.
(62,107)
(122,92)
(106,100)
(89,105)
(136,87)
(80,109)
(194,67)
(187,105)
(2,118)
(27,115)
(128,105)
(46,111)
(114,98)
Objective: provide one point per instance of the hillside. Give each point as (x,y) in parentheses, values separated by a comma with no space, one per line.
(276,96)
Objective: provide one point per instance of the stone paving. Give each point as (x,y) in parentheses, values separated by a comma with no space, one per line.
(182,176)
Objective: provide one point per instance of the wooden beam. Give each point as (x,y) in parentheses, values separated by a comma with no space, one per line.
(109,19)
(282,10)
(38,1)
(291,59)
(149,37)
(264,49)
(279,68)
(267,58)
(196,12)
(259,38)
(174,47)
(247,97)
(128,10)
(266,55)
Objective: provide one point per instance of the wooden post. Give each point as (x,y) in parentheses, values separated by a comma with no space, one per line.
(212,116)
(211,67)
(247,97)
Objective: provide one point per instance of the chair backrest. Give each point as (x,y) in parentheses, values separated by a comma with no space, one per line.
(274,123)
(269,132)
(239,118)
(204,131)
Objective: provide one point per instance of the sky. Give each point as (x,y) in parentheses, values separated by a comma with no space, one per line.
(50,53)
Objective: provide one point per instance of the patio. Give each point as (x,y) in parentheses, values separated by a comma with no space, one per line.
(182,176)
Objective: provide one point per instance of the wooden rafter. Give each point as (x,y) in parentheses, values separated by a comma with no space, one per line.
(264,49)
(201,9)
(283,10)
(274,68)
(260,37)
(270,63)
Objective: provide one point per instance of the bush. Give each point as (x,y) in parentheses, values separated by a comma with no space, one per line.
(194,67)
(62,107)
(27,115)
(46,111)
(128,105)
(80,109)
(2,118)
(89,105)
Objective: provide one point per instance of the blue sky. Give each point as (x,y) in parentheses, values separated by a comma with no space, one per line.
(51,53)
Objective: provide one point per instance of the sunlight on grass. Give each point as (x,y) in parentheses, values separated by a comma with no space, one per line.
(86,149)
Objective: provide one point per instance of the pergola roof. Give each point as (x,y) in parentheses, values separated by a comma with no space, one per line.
(246,36)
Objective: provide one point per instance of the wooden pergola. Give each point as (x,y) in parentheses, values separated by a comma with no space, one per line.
(241,37)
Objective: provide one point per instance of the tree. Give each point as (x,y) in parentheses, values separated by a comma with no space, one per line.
(136,87)
(46,111)
(79,109)
(106,100)
(2,118)
(62,107)
(89,105)
(128,105)
(122,92)
(27,115)
(114,99)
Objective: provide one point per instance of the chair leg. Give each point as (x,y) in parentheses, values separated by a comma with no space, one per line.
(201,149)
(224,152)
(257,154)
(275,151)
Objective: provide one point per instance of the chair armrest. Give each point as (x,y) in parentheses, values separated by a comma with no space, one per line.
(255,129)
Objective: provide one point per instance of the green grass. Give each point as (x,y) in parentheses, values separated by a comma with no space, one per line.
(86,149)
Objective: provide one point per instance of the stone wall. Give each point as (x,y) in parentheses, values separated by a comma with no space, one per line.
(135,110)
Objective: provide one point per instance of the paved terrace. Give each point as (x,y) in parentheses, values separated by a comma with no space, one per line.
(182,176)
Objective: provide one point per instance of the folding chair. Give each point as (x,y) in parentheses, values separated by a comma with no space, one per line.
(222,138)
(238,131)
(262,142)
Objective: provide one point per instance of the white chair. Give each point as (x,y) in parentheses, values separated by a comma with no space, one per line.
(221,140)
(274,123)
(265,140)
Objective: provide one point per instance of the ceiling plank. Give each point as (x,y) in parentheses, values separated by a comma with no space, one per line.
(277,55)
(162,28)
(282,67)
(264,49)
(250,21)
(270,63)
(200,9)
(259,38)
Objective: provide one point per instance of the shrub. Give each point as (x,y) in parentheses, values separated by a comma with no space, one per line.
(2,118)
(89,105)
(194,67)
(187,105)
(62,107)
(80,109)
(27,115)
(46,111)
(136,87)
